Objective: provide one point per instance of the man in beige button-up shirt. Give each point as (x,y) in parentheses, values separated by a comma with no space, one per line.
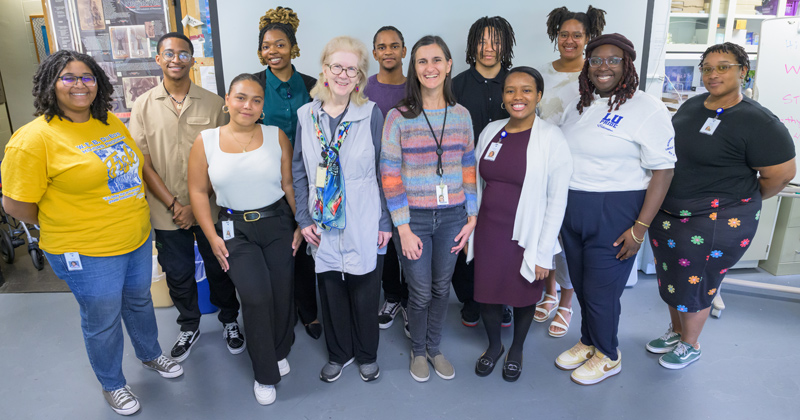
(165,122)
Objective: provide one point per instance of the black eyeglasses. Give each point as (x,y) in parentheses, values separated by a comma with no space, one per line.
(611,61)
(86,79)
(337,69)
(169,55)
(720,68)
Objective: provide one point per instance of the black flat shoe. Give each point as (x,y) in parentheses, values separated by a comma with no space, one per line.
(314,330)
(511,370)
(485,364)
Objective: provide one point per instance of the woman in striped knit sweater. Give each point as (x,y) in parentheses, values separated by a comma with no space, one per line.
(428,174)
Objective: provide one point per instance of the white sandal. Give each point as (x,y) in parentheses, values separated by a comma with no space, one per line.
(560,325)
(547,300)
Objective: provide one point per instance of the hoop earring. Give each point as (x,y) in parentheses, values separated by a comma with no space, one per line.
(502,105)
(225,108)
(263,115)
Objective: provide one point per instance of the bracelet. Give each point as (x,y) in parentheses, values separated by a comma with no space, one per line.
(635,239)
(643,224)
(172,206)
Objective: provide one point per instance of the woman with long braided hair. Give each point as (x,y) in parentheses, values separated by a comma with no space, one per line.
(621,141)
(285,91)
(569,32)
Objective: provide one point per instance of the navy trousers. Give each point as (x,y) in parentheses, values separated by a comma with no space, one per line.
(593,221)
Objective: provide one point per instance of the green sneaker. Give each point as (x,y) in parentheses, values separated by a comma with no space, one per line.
(681,356)
(665,343)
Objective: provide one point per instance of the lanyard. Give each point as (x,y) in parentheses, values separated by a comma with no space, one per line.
(719,112)
(439,141)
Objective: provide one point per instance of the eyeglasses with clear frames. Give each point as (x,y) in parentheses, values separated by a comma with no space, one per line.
(337,69)
(610,61)
(720,68)
(575,35)
(170,55)
(70,80)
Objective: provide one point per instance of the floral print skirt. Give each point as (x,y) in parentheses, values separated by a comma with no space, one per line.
(696,241)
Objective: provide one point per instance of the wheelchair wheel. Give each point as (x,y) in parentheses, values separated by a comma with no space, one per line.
(38,258)
(6,247)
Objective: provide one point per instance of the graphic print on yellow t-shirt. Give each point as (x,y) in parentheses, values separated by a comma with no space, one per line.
(122,166)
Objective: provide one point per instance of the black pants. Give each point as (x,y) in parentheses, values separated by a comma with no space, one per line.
(350,314)
(464,286)
(393,280)
(261,266)
(176,256)
(305,285)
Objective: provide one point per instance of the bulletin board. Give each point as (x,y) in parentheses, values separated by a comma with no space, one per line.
(121,35)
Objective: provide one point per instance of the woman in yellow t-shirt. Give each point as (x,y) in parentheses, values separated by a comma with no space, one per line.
(76,171)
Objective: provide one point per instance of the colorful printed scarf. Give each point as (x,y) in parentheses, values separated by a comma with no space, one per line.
(328,211)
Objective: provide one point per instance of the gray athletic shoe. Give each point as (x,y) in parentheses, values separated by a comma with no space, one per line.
(165,367)
(369,371)
(332,370)
(122,401)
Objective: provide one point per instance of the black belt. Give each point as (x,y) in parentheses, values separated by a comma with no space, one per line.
(272,210)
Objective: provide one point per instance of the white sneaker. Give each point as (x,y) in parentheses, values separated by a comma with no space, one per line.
(265,394)
(283,367)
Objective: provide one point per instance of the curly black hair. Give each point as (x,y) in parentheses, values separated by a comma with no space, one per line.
(622,92)
(502,33)
(593,21)
(44,86)
(728,48)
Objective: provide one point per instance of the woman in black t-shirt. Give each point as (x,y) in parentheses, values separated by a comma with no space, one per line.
(732,153)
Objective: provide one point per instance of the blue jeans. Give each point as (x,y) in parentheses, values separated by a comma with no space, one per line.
(109,289)
(429,277)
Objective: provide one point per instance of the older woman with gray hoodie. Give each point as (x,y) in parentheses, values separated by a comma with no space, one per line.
(344,219)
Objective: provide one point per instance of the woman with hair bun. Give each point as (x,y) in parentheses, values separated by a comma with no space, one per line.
(569,31)
(621,141)
(285,91)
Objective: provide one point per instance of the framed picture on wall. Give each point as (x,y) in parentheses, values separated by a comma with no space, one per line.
(40,39)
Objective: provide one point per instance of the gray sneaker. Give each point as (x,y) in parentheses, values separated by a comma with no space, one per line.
(442,366)
(122,401)
(332,370)
(419,369)
(369,371)
(165,367)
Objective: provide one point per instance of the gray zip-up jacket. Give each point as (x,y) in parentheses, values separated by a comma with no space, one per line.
(354,249)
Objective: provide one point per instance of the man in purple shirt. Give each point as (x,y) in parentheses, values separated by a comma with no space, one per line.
(386,89)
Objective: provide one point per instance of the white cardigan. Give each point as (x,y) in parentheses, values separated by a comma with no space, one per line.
(543,201)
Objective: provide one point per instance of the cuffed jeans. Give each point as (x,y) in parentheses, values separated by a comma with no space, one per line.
(108,290)
(429,277)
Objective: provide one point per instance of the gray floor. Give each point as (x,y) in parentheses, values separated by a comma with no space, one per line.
(749,369)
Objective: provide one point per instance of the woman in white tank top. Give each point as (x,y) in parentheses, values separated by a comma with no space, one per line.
(248,166)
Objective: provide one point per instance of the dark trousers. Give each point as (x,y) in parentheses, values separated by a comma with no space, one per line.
(176,256)
(305,285)
(393,280)
(464,286)
(350,314)
(261,266)
(593,221)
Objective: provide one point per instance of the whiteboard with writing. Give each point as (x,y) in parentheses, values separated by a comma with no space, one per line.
(778,73)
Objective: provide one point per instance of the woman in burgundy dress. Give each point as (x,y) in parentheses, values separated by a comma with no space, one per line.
(523,176)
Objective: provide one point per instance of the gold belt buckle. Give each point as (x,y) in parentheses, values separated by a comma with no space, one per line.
(248,219)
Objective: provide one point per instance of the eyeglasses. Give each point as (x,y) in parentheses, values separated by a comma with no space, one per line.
(721,68)
(610,61)
(575,35)
(86,79)
(169,55)
(337,69)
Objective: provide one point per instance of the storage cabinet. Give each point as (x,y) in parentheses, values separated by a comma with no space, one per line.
(784,256)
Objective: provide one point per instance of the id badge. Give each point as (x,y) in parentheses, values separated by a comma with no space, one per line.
(710,126)
(441,195)
(494,150)
(73,261)
(227,229)
(321,173)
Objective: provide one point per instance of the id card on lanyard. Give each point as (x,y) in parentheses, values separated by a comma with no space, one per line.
(442,198)
(711,124)
(494,148)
